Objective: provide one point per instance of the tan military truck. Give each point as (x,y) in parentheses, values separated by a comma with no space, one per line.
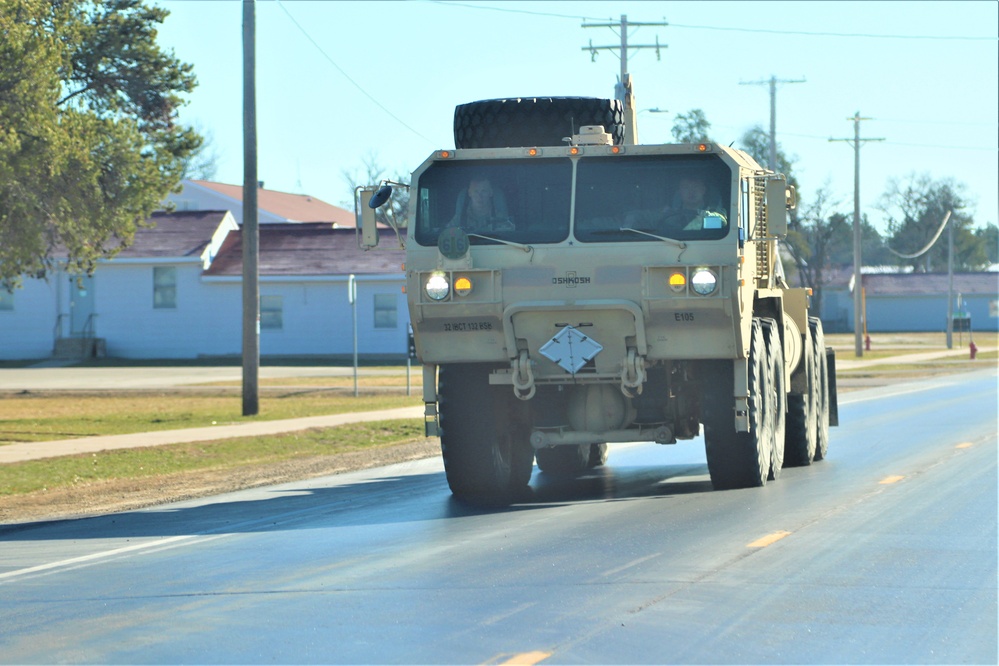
(569,288)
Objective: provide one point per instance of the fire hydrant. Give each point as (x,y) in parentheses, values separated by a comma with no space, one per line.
(973,349)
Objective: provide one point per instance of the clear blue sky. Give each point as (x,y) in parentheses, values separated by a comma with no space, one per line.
(342,82)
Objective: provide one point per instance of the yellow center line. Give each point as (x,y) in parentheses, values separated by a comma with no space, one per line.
(763,542)
(526,658)
(890,479)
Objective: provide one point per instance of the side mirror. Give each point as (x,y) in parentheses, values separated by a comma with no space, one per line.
(369,227)
(380,197)
(777,203)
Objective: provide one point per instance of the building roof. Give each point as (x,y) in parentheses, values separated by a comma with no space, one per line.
(178,234)
(923,284)
(292,207)
(309,249)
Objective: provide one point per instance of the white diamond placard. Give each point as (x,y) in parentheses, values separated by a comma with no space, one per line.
(570,349)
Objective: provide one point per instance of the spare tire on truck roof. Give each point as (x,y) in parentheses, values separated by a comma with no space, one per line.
(533,121)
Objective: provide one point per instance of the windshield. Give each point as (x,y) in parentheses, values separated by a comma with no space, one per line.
(524,201)
(686,198)
(618,199)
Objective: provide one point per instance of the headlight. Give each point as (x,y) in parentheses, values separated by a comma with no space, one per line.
(703,281)
(437,287)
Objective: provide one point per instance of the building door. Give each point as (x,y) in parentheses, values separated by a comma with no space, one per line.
(81,306)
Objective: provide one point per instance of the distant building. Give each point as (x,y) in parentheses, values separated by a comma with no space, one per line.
(899,302)
(272,206)
(176,292)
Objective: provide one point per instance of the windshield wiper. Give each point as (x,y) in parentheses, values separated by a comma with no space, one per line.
(521,246)
(670,241)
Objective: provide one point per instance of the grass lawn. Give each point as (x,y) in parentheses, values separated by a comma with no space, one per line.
(226,454)
(44,416)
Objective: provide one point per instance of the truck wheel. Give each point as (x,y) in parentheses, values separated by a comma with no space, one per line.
(533,121)
(567,460)
(778,394)
(822,388)
(739,459)
(799,441)
(598,455)
(484,440)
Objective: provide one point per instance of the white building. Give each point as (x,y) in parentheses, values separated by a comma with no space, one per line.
(176,293)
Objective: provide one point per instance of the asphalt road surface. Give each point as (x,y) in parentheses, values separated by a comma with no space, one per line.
(883,553)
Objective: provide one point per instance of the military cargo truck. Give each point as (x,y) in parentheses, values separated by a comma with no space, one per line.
(569,288)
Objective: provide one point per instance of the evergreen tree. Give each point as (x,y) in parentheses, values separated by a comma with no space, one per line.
(89,144)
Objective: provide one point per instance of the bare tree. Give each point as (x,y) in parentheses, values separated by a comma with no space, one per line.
(203,163)
(396,212)
(814,236)
(915,208)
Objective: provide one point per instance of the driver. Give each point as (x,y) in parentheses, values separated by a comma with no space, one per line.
(481,208)
(691,204)
(690,208)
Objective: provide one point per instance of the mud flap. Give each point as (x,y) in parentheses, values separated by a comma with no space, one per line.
(833,402)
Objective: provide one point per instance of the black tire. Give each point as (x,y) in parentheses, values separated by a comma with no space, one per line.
(778,394)
(598,455)
(567,461)
(739,459)
(484,437)
(533,121)
(821,388)
(799,440)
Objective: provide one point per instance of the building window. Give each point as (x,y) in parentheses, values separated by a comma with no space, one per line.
(164,287)
(271,312)
(385,311)
(6,300)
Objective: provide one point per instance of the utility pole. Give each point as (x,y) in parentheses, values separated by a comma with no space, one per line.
(858,303)
(950,282)
(250,231)
(773,112)
(623,47)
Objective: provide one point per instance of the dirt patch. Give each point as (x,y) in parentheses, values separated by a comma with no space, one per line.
(114,496)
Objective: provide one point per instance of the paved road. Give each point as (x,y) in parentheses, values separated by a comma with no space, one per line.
(883,553)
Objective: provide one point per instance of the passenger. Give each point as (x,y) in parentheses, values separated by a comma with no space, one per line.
(481,208)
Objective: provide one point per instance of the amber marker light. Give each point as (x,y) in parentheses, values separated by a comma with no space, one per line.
(677,282)
(533,152)
(445,154)
(574,150)
(615,149)
(462,286)
(702,147)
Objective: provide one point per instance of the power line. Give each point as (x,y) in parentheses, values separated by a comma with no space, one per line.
(507,10)
(622,48)
(988,149)
(347,76)
(838,34)
(804,33)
